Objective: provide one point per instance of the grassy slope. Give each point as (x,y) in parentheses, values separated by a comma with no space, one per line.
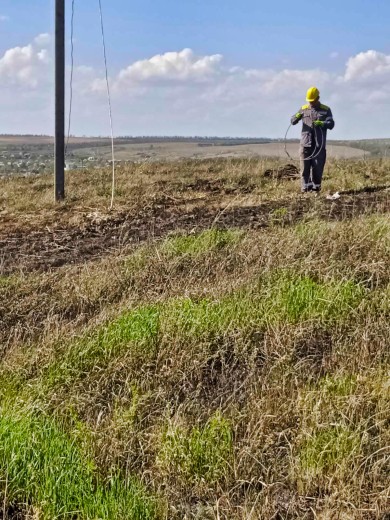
(229,374)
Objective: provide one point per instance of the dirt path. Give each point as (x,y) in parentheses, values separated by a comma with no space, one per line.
(45,249)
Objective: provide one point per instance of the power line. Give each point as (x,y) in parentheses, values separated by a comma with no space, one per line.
(109,104)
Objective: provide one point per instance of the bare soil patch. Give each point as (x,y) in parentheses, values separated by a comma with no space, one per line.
(51,247)
(289,171)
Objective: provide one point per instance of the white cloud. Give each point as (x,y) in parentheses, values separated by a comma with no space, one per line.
(172,66)
(190,92)
(4,18)
(334,55)
(208,75)
(184,93)
(214,99)
(366,65)
(366,85)
(24,66)
(292,81)
(42,40)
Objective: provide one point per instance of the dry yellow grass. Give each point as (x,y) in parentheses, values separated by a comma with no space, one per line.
(234,364)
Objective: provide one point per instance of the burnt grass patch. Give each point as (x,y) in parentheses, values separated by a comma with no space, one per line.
(13,512)
(312,352)
(50,248)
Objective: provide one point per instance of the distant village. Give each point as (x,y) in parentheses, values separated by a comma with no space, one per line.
(34,155)
(12,162)
(32,163)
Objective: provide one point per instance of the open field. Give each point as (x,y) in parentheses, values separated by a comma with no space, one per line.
(214,347)
(19,140)
(155,149)
(175,151)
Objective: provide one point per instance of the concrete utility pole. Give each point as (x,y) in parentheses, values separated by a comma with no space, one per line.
(59,148)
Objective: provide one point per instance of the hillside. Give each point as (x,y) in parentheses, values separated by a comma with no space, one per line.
(33,155)
(215,347)
(376,147)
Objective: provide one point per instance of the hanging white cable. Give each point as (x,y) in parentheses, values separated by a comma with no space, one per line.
(71,76)
(314,154)
(285,143)
(109,105)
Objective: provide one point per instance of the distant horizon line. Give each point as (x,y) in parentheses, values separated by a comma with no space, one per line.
(183,137)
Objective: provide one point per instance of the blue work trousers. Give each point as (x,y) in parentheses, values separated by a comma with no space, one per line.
(312,169)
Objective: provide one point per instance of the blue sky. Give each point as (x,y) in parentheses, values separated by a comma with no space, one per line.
(287,45)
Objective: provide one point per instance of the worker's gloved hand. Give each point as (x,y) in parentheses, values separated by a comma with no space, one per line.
(321,124)
(298,115)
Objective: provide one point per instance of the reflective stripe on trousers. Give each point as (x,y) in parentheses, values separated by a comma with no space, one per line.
(312,169)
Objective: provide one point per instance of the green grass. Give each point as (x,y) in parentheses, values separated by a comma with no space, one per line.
(327,449)
(136,331)
(137,261)
(9,282)
(202,453)
(300,298)
(195,245)
(280,298)
(283,297)
(43,468)
(339,386)
(279,216)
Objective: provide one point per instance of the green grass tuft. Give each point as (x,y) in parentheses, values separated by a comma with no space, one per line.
(327,449)
(201,454)
(8,282)
(280,298)
(300,298)
(42,467)
(339,386)
(136,330)
(195,245)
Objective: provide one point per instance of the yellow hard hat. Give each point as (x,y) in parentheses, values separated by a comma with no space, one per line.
(312,94)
